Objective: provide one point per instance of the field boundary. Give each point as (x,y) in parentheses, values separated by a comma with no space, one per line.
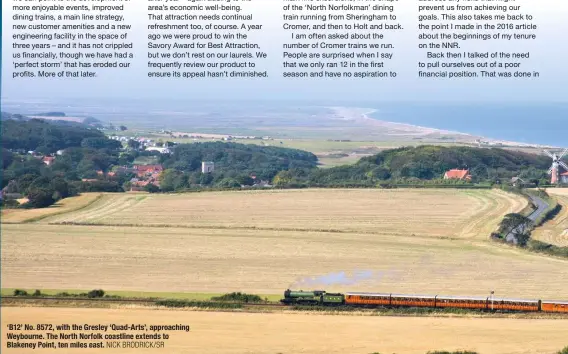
(537,246)
(220,306)
(249,228)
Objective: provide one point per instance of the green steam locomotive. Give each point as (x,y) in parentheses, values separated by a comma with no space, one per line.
(316,297)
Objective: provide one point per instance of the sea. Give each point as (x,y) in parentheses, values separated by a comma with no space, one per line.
(543,124)
(531,123)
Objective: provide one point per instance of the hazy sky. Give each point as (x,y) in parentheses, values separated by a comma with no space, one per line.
(548,55)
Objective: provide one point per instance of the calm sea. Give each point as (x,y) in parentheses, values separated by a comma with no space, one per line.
(545,124)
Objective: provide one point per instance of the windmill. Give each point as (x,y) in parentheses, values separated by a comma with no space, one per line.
(557,162)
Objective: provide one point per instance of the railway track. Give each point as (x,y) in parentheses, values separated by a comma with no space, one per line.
(202,304)
(129,301)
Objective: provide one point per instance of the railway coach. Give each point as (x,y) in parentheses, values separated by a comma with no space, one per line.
(361,299)
(554,306)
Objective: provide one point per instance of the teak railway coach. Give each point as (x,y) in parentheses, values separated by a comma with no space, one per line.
(320,297)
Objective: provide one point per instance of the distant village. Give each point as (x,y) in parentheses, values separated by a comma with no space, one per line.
(149,174)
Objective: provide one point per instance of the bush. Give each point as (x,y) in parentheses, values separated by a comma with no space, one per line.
(97,186)
(151,188)
(238,297)
(547,248)
(563,351)
(37,293)
(40,198)
(19,292)
(9,204)
(95,293)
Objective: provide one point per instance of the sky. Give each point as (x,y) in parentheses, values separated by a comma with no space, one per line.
(547,55)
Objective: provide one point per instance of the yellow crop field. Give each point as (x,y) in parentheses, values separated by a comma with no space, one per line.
(406,241)
(434,213)
(267,262)
(238,333)
(556,231)
(63,206)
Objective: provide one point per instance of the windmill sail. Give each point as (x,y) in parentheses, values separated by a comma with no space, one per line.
(557,165)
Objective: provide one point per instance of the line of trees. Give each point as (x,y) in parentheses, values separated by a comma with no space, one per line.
(423,165)
(47,137)
(235,164)
(83,152)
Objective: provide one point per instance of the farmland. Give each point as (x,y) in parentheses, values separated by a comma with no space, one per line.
(439,213)
(63,206)
(312,333)
(407,241)
(556,231)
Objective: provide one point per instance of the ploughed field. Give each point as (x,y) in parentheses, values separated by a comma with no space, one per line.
(237,333)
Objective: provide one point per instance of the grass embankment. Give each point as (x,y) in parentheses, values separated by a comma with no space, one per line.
(235,301)
(137,294)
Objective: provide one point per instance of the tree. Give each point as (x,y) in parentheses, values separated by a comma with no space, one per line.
(12,187)
(87,169)
(96,293)
(101,143)
(61,187)
(123,128)
(228,183)
(519,225)
(171,180)
(205,179)
(133,144)
(44,136)
(40,198)
(151,188)
(25,181)
(283,178)
(7,158)
(245,180)
(381,173)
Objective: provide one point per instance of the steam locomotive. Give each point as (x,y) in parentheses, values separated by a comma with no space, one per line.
(358,299)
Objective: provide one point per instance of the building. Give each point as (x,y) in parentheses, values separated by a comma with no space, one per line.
(48,160)
(462,175)
(161,150)
(147,170)
(207,167)
(564,178)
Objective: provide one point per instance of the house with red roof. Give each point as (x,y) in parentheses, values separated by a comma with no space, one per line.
(147,170)
(462,175)
(48,160)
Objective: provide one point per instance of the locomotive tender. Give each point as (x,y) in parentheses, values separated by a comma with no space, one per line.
(358,299)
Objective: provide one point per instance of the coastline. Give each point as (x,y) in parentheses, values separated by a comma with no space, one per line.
(363,115)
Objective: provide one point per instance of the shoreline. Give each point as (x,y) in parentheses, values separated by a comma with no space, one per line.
(364,116)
